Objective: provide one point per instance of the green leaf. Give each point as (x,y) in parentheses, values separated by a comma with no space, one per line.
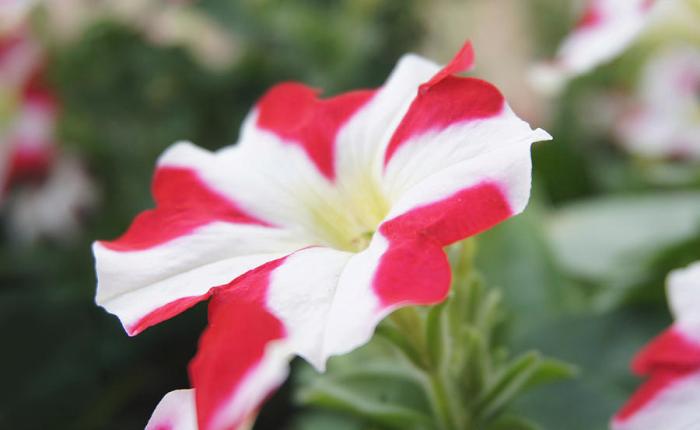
(513,423)
(551,370)
(398,340)
(610,238)
(319,419)
(509,382)
(435,334)
(336,397)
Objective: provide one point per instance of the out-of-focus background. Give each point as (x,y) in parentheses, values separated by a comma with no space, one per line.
(97,89)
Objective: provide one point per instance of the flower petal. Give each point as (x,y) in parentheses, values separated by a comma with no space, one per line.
(458,133)
(256,324)
(684,296)
(670,398)
(669,401)
(259,321)
(196,238)
(605,29)
(673,350)
(30,139)
(176,411)
(472,154)
(662,123)
(295,114)
(391,273)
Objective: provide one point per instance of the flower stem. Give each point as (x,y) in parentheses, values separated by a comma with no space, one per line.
(440,400)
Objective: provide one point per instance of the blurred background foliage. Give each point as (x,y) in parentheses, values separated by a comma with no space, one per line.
(582,270)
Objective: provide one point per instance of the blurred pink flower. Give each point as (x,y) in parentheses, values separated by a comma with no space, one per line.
(28,112)
(670,398)
(41,190)
(328,215)
(162,22)
(604,30)
(665,119)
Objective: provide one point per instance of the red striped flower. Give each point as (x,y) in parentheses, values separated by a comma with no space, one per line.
(28,111)
(604,30)
(670,398)
(327,215)
(664,120)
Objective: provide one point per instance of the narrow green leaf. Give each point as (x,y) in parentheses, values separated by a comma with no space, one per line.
(513,423)
(509,382)
(476,364)
(435,335)
(551,370)
(332,396)
(403,345)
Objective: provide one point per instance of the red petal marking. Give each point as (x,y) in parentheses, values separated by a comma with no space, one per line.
(8,44)
(450,101)
(183,203)
(461,62)
(240,328)
(659,382)
(295,113)
(165,312)
(30,162)
(668,358)
(463,214)
(590,18)
(415,269)
(672,350)
(647,4)
(37,90)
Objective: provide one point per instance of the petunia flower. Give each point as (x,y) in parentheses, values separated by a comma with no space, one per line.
(42,191)
(665,121)
(162,22)
(604,30)
(670,398)
(328,215)
(28,112)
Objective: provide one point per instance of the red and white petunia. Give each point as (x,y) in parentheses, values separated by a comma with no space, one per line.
(28,111)
(327,215)
(41,191)
(665,122)
(604,30)
(162,22)
(670,398)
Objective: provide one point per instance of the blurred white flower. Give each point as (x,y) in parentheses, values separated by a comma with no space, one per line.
(41,192)
(605,29)
(162,22)
(669,399)
(54,208)
(664,122)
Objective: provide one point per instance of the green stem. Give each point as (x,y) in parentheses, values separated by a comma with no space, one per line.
(405,333)
(440,400)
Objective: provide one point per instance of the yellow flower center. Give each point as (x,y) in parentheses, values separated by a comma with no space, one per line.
(349,222)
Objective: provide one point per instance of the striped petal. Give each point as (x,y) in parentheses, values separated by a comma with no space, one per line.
(604,30)
(260,321)
(462,148)
(669,401)
(670,398)
(196,238)
(176,411)
(663,122)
